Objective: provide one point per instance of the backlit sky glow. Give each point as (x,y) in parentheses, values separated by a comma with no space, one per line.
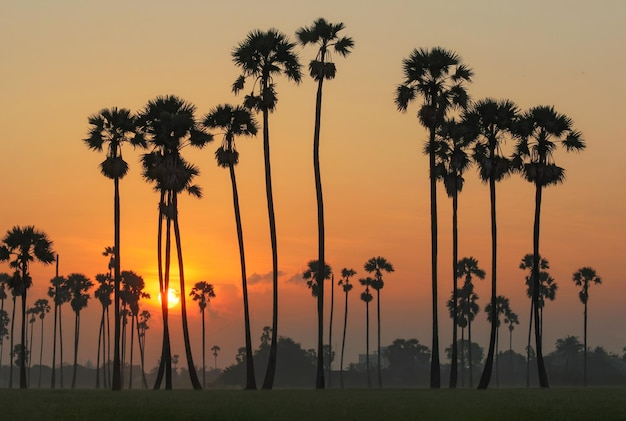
(65,60)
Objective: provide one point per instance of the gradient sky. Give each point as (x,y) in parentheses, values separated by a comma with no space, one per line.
(64,60)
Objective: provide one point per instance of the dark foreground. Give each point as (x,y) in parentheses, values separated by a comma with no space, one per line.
(405,404)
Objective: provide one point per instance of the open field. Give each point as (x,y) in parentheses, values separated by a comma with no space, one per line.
(509,404)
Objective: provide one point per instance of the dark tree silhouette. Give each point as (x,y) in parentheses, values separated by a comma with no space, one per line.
(103,295)
(41,308)
(538,130)
(4,316)
(468,268)
(236,121)
(142,327)
(503,308)
(78,286)
(202,292)
(216,349)
(20,246)
(367,297)
(584,278)
(325,36)
(262,56)
(60,295)
(438,76)
(132,292)
(344,282)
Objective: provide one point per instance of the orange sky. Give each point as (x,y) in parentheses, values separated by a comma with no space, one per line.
(65,60)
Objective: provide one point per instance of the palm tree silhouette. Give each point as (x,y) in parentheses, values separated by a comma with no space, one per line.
(41,308)
(132,292)
(168,124)
(236,121)
(20,246)
(538,130)
(584,278)
(438,76)
(262,56)
(142,327)
(14,293)
(215,350)
(103,294)
(312,275)
(4,316)
(503,308)
(60,295)
(452,162)
(202,292)
(326,37)
(367,297)
(344,282)
(468,268)
(78,286)
(377,265)
(490,121)
(114,127)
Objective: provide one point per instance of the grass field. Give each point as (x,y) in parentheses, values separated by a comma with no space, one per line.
(405,404)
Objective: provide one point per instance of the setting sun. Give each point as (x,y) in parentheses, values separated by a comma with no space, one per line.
(173,297)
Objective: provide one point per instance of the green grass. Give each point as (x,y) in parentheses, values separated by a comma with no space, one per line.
(405,404)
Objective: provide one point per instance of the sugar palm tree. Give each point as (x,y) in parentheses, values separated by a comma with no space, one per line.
(4,281)
(366,296)
(325,36)
(378,265)
(142,327)
(344,282)
(467,268)
(103,294)
(262,57)
(312,275)
(41,308)
(511,319)
(60,295)
(20,246)
(216,350)
(439,77)
(202,292)
(15,292)
(236,121)
(132,292)
(78,286)
(584,278)
(114,127)
(540,129)
(4,330)
(503,307)
(452,162)
(490,123)
(168,124)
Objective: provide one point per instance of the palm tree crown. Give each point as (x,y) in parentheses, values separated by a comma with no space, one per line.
(234,121)
(311,275)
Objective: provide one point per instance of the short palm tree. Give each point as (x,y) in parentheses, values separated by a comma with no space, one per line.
(4,282)
(540,129)
(202,292)
(142,327)
(216,350)
(325,36)
(439,77)
(167,124)
(132,292)
(78,286)
(378,265)
(584,278)
(366,296)
(60,295)
(114,127)
(236,121)
(467,268)
(262,57)
(344,282)
(312,275)
(20,246)
(103,295)
(503,307)
(41,308)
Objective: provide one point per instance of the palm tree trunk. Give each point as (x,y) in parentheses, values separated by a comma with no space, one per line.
(132,340)
(23,383)
(319,380)
(76,330)
(117,370)
(486,376)
(469,353)
(367,343)
(585,348)
(1,342)
(40,354)
(543,376)
(462,357)
(497,358)
(29,348)
(380,379)
(54,347)
(330,329)
(100,336)
(11,343)
(343,340)
(530,329)
(435,371)
(108,379)
(203,353)
(268,382)
(250,375)
(193,375)
(455,254)
(61,346)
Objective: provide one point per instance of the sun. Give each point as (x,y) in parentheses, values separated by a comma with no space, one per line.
(173,298)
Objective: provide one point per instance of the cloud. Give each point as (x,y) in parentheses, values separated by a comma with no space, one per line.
(256,278)
(296,278)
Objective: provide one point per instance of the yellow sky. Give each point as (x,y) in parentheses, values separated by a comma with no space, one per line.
(64,60)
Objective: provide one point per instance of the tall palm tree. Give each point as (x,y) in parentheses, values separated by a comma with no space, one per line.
(452,162)
(78,286)
(114,127)
(236,121)
(344,282)
(41,308)
(132,292)
(262,57)
(103,294)
(20,246)
(503,307)
(490,123)
(312,275)
(584,278)
(325,36)
(168,124)
(15,292)
(366,296)
(378,265)
(60,295)
(216,350)
(439,77)
(540,129)
(467,268)
(202,292)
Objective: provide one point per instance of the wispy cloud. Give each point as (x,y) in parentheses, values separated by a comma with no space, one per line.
(257,278)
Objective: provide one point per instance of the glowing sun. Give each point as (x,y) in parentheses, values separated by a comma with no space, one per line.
(172,298)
